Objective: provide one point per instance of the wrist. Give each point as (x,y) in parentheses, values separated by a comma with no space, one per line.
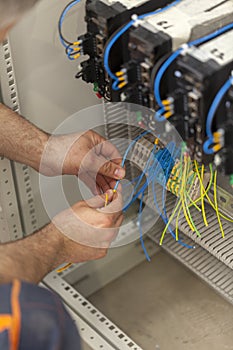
(33,155)
(56,251)
(32,258)
(56,157)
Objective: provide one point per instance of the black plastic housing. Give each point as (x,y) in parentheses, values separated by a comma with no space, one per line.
(102,22)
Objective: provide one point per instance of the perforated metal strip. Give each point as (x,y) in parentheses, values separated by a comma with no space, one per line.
(10,223)
(21,173)
(81,306)
(116,120)
(200,261)
(211,238)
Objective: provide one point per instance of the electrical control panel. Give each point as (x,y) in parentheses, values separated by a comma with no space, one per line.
(195,80)
(159,35)
(170,57)
(104,18)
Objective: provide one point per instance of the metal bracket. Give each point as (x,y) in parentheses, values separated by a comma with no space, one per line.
(20,173)
(107,330)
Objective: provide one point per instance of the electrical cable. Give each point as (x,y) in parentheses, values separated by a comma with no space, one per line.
(127,152)
(202,197)
(72,48)
(120,32)
(208,198)
(208,148)
(165,218)
(216,205)
(165,158)
(186,193)
(207,189)
(140,228)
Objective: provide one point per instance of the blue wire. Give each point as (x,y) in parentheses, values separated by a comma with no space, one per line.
(145,169)
(132,181)
(140,228)
(127,151)
(152,178)
(158,79)
(212,111)
(113,40)
(61,20)
(152,170)
(211,35)
(110,45)
(172,58)
(165,217)
(142,189)
(146,184)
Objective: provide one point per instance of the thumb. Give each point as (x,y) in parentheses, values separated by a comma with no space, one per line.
(111,169)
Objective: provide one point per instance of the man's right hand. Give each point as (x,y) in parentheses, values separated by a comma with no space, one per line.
(89,227)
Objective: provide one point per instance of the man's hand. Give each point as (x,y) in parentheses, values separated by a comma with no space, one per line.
(96,161)
(81,233)
(88,228)
(89,155)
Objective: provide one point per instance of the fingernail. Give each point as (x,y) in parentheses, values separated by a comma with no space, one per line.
(120,173)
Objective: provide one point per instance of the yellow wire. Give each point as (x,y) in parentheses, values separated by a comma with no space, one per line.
(202,190)
(166,102)
(217,147)
(64,268)
(177,207)
(106,200)
(122,85)
(184,178)
(120,73)
(216,205)
(186,203)
(202,197)
(169,222)
(209,200)
(75,57)
(168,114)
(177,224)
(207,189)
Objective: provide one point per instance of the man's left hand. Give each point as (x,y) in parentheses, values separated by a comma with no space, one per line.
(95,160)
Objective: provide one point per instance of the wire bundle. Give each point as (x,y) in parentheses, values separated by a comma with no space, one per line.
(172,168)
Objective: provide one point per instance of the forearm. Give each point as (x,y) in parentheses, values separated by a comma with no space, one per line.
(32,258)
(19,139)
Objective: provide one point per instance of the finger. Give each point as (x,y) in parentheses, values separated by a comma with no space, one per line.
(111,182)
(103,183)
(90,183)
(99,201)
(114,207)
(110,169)
(97,163)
